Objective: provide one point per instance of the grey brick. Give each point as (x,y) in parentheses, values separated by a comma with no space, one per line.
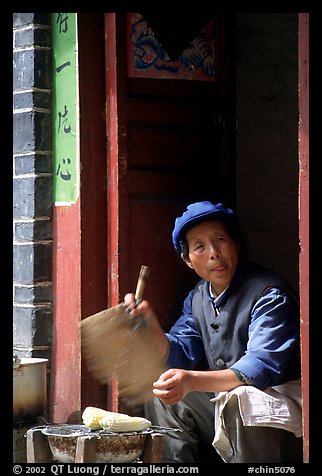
(23,132)
(23,69)
(31,130)
(43,69)
(43,196)
(23,267)
(23,100)
(31,68)
(42,37)
(22,353)
(33,164)
(24,231)
(32,263)
(43,262)
(32,99)
(32,325)
(43,230)
(43,131)
(24,38)
(36,230)
(33,294)
(32,197)
(23,19)
(42,18)
(23,198)
(22,328)
(32,36)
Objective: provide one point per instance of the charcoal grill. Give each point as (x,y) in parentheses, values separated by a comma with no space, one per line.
(78,444)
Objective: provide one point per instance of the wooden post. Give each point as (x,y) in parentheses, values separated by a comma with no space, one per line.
(153,448)
(38,449)
(85,449)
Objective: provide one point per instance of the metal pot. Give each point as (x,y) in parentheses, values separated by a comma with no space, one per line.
(110,448)
(29,389)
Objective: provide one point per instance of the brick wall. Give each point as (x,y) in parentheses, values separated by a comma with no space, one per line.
(32,185)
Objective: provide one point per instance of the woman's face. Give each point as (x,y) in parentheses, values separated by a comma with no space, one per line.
(213,253)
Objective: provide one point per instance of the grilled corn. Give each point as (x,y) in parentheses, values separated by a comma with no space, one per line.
(92,415)
(117,424)
(97,418)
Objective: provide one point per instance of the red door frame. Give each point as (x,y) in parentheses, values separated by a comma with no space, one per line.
(65,396)
(303,140)
(113,198)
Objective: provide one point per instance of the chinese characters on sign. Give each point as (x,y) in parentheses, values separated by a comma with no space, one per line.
(65,108)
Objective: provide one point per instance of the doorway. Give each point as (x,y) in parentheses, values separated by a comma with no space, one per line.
(167,146)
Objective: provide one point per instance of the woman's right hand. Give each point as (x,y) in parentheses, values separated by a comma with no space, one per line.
(144,308)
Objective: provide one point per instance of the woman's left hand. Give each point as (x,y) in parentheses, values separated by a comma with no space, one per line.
(173,385)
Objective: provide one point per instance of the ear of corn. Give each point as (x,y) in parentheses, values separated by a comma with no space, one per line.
(92,415)
(97,418)
(114,423)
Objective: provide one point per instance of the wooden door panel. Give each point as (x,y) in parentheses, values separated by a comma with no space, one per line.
(150,226)
(162,147)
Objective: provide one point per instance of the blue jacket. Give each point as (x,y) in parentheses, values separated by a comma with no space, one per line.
(254,327)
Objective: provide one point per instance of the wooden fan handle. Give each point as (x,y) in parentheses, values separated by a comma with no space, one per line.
(144,273)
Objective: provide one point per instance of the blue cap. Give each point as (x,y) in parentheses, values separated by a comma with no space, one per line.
(197,213)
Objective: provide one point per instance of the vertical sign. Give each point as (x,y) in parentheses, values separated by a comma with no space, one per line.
(65,108)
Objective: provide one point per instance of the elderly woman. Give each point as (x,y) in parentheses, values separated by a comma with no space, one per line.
(233,357)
